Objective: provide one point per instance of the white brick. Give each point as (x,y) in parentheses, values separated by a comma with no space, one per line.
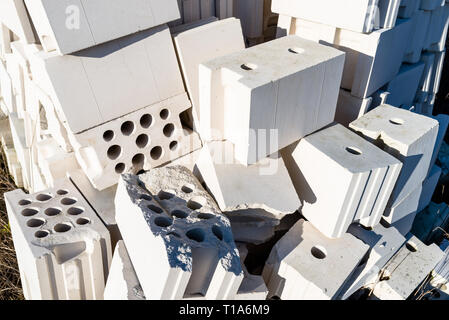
(63,249)
(68,26)
(110,80)
(305,265)
(187,243)
(353,183)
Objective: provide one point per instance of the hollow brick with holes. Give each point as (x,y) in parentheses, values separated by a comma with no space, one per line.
(141,140)
(188,246)
(63,249)
(409,137)
(341,178)
(306,265)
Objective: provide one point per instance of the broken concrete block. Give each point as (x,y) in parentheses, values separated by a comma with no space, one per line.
(63,249)
(168,210)
(409,137)
(69,26)
(350,108)
(229,31)
(428,187)
(363,177)
(140,140)
(430,222)
(384,243)
(14,16)
(407,269)
(110,80)
(306,265)
(248,84)
(122,283)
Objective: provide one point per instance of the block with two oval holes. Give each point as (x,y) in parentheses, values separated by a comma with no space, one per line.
(63,249)
(179,242)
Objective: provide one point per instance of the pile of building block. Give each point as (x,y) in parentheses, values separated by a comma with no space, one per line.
(228,149)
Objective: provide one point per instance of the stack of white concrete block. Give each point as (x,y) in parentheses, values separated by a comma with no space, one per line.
(166,158)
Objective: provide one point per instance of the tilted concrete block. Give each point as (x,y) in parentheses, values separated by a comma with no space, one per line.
(110,80)
(188,246)
(280,80)
(407,269)
(409,137)
(140,140)
(350,108)
(175,30)
(353,184)
(404,207)
(372,60)
(229,32)
(68,26)
(428,187)
(14,16)
(122,283)
(62,247)
(250,13)
(383,243)
(306,265)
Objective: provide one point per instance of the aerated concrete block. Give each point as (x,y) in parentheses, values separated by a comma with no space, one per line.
(350,108)
(14,16)
(188,246)
(353,184)
(67,26)
(407,269)
(140,140)
(110,80)
(252,96)
(62,247)
(409,137)
(437,31)
(229,31)
(306,265)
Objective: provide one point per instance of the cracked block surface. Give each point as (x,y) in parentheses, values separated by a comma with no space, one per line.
(306,265)
(177,238)
(143,139)
(63,248)
(341,178)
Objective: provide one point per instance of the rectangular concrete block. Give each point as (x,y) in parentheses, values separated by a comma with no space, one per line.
(248,96)
(144,139)
(353,184)
(63,249)
(350,108)
(14,16)
(409,137)
(69,26)
(305,265)
(110,80)
(428,187)
(178,241)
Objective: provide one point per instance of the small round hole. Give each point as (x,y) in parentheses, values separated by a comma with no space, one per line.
(120,168)
(163,222)
(142,141)
(154,208)
(62,192)
(187,188)
(412,247)
(196,203)
(114,152)
(35,223)
(217,232)
(138,159)
(82,221)
(24,202)
(74,211)
(206,216)
(62,227)
(318,252)
(354,151)
(397,121)
(41,234)
(146,120)
(156,153)
(179,214)
(169,129)
(28,212)
(248,66)
(127,128)
(51,212)
(43,197)
(196,234)
(165,194)
(145,197)
(296,50)
(108,135)
(164,114)
(68,201)
(173,145)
